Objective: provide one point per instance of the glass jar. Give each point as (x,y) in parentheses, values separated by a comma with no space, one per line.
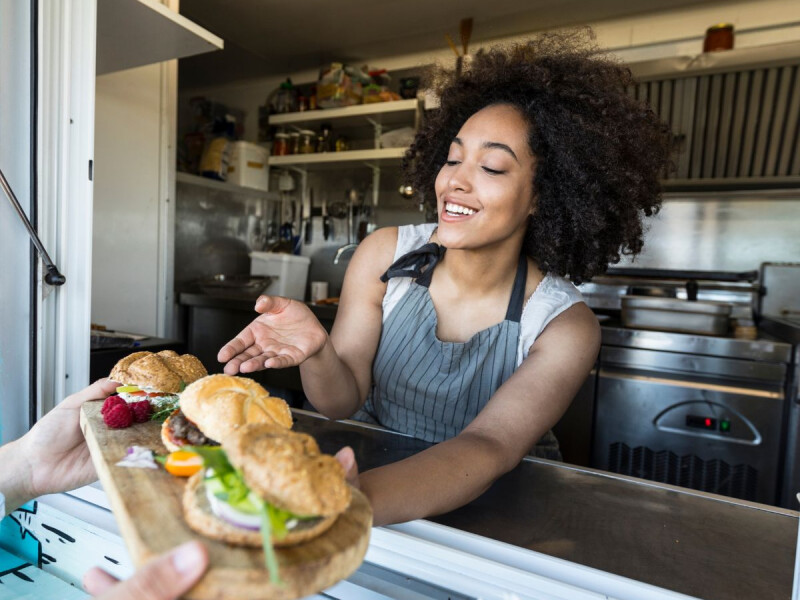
(325,138)
(342,144)
(307,142)
(294,142)
(280,144)
(718,37)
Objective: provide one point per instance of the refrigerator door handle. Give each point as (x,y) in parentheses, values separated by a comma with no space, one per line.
(53,276)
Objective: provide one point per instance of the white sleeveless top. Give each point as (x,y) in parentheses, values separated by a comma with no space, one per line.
(553,295)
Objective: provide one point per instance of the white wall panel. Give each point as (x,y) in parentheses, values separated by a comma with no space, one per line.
(125,254)
(15,257)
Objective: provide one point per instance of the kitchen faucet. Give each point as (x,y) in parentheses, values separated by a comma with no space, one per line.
(343,250)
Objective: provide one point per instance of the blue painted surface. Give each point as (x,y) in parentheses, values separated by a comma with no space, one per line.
(22,581)
(21,559)
(16,539)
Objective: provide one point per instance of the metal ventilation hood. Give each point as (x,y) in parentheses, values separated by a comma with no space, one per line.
(734,115)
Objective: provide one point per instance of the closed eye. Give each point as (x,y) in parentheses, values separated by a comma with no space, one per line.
(451,163)
(493,171)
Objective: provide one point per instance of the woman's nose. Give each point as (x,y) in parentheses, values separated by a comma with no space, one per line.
(458,178)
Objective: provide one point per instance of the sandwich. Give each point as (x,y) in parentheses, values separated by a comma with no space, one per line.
(265,486)
(156,377)
(212,408)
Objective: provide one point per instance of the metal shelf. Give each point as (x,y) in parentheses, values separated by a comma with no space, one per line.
(222,186)
(330,160)
(398,112)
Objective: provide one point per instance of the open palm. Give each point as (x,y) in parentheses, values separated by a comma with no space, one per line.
(284,335)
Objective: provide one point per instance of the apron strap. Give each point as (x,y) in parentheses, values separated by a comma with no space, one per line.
(417,264)
(515,305)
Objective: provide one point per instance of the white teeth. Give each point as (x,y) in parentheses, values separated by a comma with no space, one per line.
(458,209)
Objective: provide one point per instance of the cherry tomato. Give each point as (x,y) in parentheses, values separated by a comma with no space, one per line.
(183,464)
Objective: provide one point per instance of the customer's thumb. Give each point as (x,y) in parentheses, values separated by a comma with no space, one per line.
(165,577)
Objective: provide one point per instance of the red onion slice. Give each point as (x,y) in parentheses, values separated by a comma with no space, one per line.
(230,515)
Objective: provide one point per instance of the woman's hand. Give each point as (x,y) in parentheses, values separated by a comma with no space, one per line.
(52,456)
(284,335)
(164,578)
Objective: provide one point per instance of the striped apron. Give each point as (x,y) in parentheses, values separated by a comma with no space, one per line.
(431,389)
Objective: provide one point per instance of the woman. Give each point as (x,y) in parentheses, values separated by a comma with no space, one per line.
(464,332)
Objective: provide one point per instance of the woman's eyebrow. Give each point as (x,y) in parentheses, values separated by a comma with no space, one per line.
(491,145)
(500,146)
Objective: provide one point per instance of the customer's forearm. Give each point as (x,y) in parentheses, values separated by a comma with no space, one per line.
(14,477)
(329,384)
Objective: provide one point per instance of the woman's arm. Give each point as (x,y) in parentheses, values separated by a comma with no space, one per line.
(337,379)
(335,369)
(452,473)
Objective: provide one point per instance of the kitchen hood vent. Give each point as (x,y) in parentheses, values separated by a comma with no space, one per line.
(733,129)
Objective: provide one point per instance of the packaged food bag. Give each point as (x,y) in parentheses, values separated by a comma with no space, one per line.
(339,86)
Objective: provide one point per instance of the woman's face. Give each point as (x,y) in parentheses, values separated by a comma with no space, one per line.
(484,192)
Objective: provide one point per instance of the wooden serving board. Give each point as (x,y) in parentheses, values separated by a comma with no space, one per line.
(147,506)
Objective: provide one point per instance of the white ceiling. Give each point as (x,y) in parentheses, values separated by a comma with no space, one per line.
(277,37)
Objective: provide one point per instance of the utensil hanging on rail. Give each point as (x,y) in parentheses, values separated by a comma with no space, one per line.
(465,30)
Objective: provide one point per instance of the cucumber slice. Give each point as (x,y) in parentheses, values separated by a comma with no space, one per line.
(126,389)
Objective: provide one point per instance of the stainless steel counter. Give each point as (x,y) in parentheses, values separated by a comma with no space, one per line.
(690,542)
(764,348)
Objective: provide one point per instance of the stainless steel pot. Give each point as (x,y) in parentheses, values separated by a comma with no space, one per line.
(673,314)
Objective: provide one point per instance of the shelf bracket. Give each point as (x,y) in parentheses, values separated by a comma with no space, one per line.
(377,130)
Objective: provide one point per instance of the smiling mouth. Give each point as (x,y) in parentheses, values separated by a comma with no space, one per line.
(455,210)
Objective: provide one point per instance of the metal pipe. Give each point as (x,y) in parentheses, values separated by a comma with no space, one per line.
(53,277)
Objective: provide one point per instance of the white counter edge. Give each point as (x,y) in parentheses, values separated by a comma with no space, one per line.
(461,562)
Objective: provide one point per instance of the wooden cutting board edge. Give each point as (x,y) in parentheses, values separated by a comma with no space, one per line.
(223,583)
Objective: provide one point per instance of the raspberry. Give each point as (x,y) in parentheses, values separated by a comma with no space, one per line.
(141,411)
(110,403)
(119,416)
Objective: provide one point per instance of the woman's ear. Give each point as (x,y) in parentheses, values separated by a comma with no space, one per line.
(532,211)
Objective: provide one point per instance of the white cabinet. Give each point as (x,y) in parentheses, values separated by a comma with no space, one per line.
(133,33)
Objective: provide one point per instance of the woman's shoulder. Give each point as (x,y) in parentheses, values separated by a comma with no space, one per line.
(411,237)
(552,297)
(376,251)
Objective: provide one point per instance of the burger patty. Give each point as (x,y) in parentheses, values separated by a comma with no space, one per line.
(183,428)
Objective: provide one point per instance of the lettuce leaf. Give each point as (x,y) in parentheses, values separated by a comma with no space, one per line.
(227,484)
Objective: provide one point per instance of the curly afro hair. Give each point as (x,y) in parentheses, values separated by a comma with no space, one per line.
(600,153)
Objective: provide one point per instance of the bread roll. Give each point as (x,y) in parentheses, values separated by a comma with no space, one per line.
(165,371)
(286,469)
(198,514)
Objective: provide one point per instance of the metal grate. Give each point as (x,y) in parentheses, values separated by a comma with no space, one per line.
(742,124)
(715,476)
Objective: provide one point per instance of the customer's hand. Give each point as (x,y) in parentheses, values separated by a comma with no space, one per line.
(164,578)
(55,448)
(347,459)
(284,335)
(52,456)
